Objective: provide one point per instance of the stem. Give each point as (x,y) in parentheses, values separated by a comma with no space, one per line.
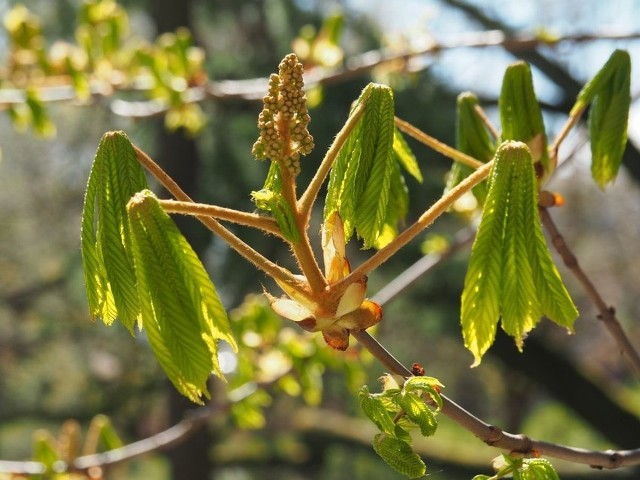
(606,313)
(309,197)
(566,128)
(254,257)
(437,145)
(427,218)
(301,250)
(496,437)
(266,224)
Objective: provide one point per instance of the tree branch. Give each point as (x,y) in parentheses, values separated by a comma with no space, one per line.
(607,313)
(496,437)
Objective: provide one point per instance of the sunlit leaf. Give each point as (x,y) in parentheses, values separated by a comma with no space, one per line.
(472,138)
(373,407)
(511,275)
(270,199)
(106,257)
(399,456)
(181,311)
(610,96)
(521,117)
(365,172)
(418,412)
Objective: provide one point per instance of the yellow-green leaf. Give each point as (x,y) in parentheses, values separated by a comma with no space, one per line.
(105,240)
(181,311)
(521,117)
(399,456)
(511,275)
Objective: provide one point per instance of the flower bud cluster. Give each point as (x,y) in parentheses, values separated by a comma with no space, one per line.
(284,118)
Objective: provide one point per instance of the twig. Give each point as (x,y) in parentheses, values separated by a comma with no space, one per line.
(254,257)
(437,145)
(266,224)
(428,217)
(496,437)
(425,264)
(606,313)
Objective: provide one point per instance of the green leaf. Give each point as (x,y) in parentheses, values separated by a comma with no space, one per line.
(373,407)
(181,311)
(610,96)
(511,274)
(472,138)
(365,172)
(538,469)
(44,449)
(270,199)
(425,384)
(399,456)
(108,436)
(405,156)
(520,114)
(105,239)
(418,412)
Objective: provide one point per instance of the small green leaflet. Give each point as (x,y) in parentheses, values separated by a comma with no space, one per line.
(399,456)
(522,469)
(106,254)
(398,411)
(374,408)
(418,412)
(472,138)
(181,311)
(365,185)
(511,274)
(609,94)
(270,199)
(521,117)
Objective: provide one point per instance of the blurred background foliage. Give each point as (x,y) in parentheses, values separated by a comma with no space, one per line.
(290,411)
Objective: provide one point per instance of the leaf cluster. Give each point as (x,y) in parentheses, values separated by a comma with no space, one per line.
(396,412)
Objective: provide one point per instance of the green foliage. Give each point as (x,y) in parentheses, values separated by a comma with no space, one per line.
(106,238)
(511,274)
(270,199)
(366,186)
(522,469)
(181,311)
(610,98)
(520,114)
(472,138)
(396,411)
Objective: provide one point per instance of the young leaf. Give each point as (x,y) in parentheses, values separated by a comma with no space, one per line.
(609,93)
(399,456)
(424,384)
(181,311)
(418,412)
(405,156)
(537,469)
(511,274)
(106,257)
(270,199)
(365,171)
(521,117)
(373,407)
(473,139)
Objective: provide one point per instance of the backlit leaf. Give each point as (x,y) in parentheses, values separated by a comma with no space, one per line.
(520,115)
(107,263)
(511,274)
(373,407)
(181,311)
(365,172)
(399,456)
(472,138)
(418,412)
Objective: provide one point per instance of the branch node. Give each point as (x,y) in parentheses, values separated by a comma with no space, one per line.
(494,436)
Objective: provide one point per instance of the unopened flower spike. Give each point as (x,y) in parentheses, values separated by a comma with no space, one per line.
(284,118)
